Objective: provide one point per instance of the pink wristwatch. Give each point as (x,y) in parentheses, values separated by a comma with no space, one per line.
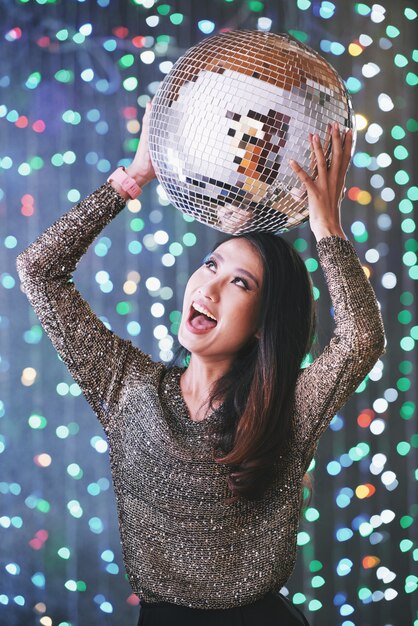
(127,183)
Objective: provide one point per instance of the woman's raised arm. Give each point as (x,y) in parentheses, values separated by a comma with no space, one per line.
(358,340)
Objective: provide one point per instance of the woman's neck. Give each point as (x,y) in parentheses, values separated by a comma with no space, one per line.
(198,380)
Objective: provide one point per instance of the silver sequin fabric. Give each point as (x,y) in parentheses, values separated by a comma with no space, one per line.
(181,543)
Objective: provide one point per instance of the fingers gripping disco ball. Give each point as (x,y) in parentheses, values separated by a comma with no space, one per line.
(228,117)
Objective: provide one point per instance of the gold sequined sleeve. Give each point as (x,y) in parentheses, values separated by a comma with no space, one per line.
(358,340)
(94,355)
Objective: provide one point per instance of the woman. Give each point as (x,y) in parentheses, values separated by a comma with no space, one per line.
(208,461)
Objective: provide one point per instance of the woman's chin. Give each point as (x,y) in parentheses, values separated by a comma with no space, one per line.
(191,342)
(184,340)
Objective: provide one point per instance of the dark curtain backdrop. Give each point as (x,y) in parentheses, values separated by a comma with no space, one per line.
(74,80)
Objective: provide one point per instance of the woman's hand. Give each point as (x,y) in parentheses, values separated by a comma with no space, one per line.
(326,192)
(141,168)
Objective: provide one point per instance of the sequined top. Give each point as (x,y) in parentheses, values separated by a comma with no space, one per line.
(181,543)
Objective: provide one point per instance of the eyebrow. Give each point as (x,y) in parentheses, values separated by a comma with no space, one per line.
(238,269)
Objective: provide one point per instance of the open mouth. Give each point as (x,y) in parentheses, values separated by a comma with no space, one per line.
(201,318)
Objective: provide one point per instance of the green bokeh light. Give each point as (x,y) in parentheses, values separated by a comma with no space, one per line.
(176,18)
(255,6)
(163,9)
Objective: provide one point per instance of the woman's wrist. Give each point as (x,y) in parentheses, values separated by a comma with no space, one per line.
(327,230)
(139,177)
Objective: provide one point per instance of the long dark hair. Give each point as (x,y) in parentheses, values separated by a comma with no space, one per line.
(258,390)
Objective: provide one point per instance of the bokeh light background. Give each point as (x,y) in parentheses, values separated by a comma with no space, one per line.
(74,81)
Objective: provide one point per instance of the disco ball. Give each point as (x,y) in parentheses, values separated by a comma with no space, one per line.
(228,117)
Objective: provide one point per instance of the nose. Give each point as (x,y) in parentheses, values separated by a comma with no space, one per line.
(210,289)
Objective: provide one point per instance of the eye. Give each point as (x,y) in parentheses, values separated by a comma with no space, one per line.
(212,266)
(244,284)
(210,263)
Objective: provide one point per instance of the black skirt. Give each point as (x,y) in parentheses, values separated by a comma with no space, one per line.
(273,609)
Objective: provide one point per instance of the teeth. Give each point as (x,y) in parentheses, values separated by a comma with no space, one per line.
(201,309)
